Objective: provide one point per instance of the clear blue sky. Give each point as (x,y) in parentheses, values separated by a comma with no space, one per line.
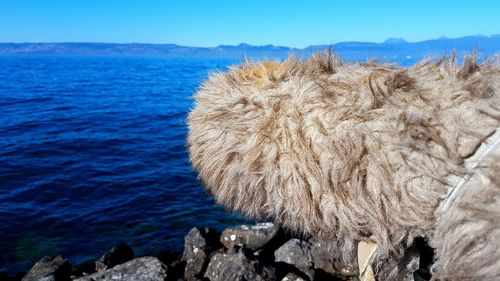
(258,22)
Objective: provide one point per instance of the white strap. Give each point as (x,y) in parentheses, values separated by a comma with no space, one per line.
(489,145)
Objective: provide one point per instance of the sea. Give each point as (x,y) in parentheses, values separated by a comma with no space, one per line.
(93,153)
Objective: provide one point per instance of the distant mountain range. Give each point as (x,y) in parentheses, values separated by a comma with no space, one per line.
(391,49)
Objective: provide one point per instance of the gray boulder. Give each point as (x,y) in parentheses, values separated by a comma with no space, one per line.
(198,244)
(252,236)
(297,253)
(49,269)
(237,267)
(328,261)
(140,269)
(117,255)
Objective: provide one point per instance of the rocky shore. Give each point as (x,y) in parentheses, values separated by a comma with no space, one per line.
(245,252)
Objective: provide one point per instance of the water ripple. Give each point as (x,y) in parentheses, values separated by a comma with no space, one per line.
(92,152)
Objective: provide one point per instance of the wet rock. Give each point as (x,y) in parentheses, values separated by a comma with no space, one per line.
(198,245)
(252,236)
(140,269)
(49,269)
(297,253)
(238,267)
(117,255)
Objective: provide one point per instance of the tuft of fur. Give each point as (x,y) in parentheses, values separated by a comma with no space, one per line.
(342,151)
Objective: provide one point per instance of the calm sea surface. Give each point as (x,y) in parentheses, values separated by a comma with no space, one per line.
(93,152)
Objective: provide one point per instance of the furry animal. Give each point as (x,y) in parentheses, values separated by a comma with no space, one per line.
(356,152)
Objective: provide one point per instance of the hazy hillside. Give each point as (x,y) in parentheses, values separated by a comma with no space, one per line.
(393,48)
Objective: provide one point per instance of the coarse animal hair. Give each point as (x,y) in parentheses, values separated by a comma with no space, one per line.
(466,236)
(342,151)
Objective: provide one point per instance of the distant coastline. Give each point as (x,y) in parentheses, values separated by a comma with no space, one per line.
(391,48)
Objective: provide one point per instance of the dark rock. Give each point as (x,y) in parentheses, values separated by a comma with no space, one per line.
(140,269)
(198,245)
(4,276)
(323,257)
(252,236)
(266,253)
(297,253)
(49,269)
(117,255)
(327,261)
(421,275)
(283,269)
(85,268)
(176,270)
(427,257)
(238,267)
(17,277)
(402,269)
(415,264)
(292,277)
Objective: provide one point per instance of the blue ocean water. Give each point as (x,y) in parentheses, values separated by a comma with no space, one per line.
(92,152)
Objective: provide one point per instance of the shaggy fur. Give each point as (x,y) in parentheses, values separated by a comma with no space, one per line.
(342,151)
(467,235)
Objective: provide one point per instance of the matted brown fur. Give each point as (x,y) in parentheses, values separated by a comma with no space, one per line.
(342,151)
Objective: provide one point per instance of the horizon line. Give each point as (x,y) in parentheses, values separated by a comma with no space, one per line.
(243,43)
